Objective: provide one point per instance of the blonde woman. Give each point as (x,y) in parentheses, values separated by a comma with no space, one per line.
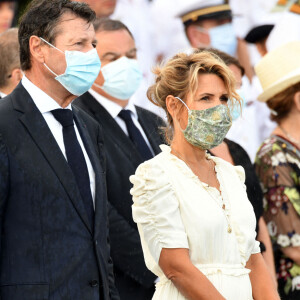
(196,223)
(278,163)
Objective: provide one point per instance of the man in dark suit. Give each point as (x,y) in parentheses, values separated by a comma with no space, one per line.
(131,136)
(53,206)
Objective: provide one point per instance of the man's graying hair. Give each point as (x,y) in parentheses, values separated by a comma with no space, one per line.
(9,54)
(42,18)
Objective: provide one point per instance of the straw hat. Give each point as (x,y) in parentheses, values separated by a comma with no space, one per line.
(278,70)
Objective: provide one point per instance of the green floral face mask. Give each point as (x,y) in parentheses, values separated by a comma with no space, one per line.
(207,128)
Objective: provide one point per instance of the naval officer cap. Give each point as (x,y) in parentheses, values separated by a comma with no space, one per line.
(197,10)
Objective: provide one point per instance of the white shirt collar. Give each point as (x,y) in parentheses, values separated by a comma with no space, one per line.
(2,95)
(42,100)
(113,108)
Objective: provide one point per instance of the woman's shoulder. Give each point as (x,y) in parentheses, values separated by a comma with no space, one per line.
(270,145)
(152,170)
(158,161)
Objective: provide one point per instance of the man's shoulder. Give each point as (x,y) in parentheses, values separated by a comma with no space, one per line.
(6,112)
(145,113)
(86,117)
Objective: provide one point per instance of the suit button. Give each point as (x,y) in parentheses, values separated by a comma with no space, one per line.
(94,283)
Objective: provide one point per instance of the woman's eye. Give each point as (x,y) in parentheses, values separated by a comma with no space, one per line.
(224,99)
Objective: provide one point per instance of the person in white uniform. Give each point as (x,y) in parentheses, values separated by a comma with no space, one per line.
(196,223)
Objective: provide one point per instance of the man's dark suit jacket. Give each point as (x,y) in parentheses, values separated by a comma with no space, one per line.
(48,250)
(133,279)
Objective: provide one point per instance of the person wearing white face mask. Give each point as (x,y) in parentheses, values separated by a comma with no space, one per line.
(208,23)
(131,137)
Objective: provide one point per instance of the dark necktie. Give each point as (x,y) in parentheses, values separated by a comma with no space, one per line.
(75,158)
(135,135)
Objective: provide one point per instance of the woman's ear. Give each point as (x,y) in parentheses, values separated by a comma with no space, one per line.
(297,100)
(172,105)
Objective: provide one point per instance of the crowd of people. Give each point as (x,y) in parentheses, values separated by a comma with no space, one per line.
(150,150)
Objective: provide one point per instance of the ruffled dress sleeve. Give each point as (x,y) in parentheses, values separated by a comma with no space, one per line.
(156,209)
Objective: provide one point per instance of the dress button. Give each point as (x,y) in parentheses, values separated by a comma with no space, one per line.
(94,283)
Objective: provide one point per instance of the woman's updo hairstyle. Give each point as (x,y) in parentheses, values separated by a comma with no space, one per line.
(179,77)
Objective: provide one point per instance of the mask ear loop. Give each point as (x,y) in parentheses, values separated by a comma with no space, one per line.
(54,48)
(183,103)
(51,45)
(97,85)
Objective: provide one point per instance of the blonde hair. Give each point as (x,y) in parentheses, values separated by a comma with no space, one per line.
(179,77)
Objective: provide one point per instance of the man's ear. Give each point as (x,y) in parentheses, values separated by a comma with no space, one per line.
(297,100)
(16,76)
(197,37)
(36,49)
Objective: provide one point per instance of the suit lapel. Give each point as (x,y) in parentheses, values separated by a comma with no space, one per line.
(100,193)
(150,131)
(111,128)
(39,131)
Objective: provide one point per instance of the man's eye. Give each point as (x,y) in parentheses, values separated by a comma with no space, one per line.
(94,45)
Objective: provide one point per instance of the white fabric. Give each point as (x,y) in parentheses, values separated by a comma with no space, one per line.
(2,95)
(45,104)
(114,110)
(174,209)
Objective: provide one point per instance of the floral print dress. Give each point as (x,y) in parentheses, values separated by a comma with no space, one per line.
(277,165)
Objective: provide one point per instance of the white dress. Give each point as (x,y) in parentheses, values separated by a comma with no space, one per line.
(174,209)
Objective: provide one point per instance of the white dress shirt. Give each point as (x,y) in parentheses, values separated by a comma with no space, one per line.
(45,104)
(114,110)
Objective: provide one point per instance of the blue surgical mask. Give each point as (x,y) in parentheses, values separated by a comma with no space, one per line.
(81,72)
(237,109)
(122,78)
(222,37)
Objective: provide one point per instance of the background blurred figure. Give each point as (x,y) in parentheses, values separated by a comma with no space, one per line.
(206,24)
(288,27)
(102,8)
(278,162)
(137,16)
(7,11)
(10,71)
(131,136)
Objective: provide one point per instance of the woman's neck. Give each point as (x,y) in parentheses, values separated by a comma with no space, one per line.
(289,128)
(187,152)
